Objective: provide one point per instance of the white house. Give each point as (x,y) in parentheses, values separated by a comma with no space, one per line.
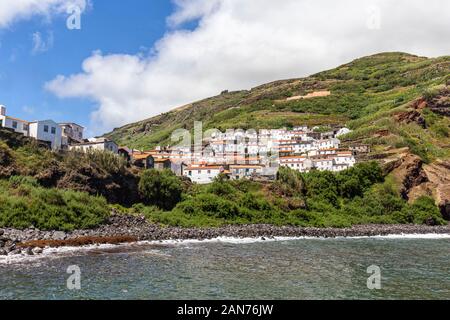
(323,164)
(18,125)
(202,174)
(100,144)
(344,158)
(342,132)
(47,130)
(71,133)
(297,163)
(327,144)
(241,171)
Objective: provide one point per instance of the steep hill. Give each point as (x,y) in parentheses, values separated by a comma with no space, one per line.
(396,102)
(365,88)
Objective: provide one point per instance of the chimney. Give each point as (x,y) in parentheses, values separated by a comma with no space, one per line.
(2,110)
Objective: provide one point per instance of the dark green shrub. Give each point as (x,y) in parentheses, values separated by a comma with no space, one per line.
(160,188)
(222,188)
(322,186)
(422,211)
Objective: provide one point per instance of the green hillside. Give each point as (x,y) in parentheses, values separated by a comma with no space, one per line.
(372,94)
(397,103)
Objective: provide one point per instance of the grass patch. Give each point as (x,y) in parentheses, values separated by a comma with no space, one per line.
(24,204)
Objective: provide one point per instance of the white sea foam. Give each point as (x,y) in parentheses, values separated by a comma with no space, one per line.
(106,248)
(430,236)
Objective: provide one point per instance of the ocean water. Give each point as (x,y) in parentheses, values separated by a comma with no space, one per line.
(416,267)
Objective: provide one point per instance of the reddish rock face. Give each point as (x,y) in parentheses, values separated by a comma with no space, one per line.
(411,117)
(418,179)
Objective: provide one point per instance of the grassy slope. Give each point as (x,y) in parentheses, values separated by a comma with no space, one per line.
(365,95)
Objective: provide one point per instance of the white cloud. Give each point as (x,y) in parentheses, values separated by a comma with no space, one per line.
(241,43)
(28,109)
(14,10)
(41,45)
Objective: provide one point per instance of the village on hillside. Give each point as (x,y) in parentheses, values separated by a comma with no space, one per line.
(235,154)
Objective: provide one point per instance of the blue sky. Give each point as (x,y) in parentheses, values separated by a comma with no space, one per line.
(110,26)
(135,59)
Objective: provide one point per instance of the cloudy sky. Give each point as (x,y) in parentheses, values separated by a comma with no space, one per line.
(134,59)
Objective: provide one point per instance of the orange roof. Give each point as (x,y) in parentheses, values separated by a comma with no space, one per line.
(245,166)
(293,157)
(204,168)
(16,119)
(141,156)
(161,160)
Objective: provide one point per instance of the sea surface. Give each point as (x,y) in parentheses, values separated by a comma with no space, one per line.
(413,267)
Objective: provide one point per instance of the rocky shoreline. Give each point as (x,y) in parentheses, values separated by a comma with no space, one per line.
(124,229)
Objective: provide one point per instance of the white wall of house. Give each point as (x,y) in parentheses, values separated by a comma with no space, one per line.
(345,159)
(298,164)
(110,146)
(343,131)
(323,164)
(47,130)
(20,126)
(243,171)
(339,167)
(71,130)
(327,144)
(202,175)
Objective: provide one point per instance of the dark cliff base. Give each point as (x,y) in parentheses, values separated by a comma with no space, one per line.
(125,229)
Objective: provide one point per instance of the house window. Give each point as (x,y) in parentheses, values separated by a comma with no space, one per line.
(45,128)
(190,173)
(53,130)
(25,127)
(14,124)
(209,171)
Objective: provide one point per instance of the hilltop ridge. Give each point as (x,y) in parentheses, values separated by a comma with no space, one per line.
(360,88)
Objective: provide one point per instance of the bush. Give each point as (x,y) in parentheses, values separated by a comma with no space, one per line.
(24,204)
(422,211)
(222,188)
(357,180)
(322,186)
(290,182)
(210,205)
(105,160)
(160,188)
(16,181)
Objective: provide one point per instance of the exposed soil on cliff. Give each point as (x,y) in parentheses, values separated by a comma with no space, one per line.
(417,179)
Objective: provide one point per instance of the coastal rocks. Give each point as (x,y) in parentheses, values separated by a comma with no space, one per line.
(9,242)
(37,250)
(125,229)
(59,235)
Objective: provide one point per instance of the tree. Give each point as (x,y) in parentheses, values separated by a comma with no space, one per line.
(292,181)
(322,185)
(160,188)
